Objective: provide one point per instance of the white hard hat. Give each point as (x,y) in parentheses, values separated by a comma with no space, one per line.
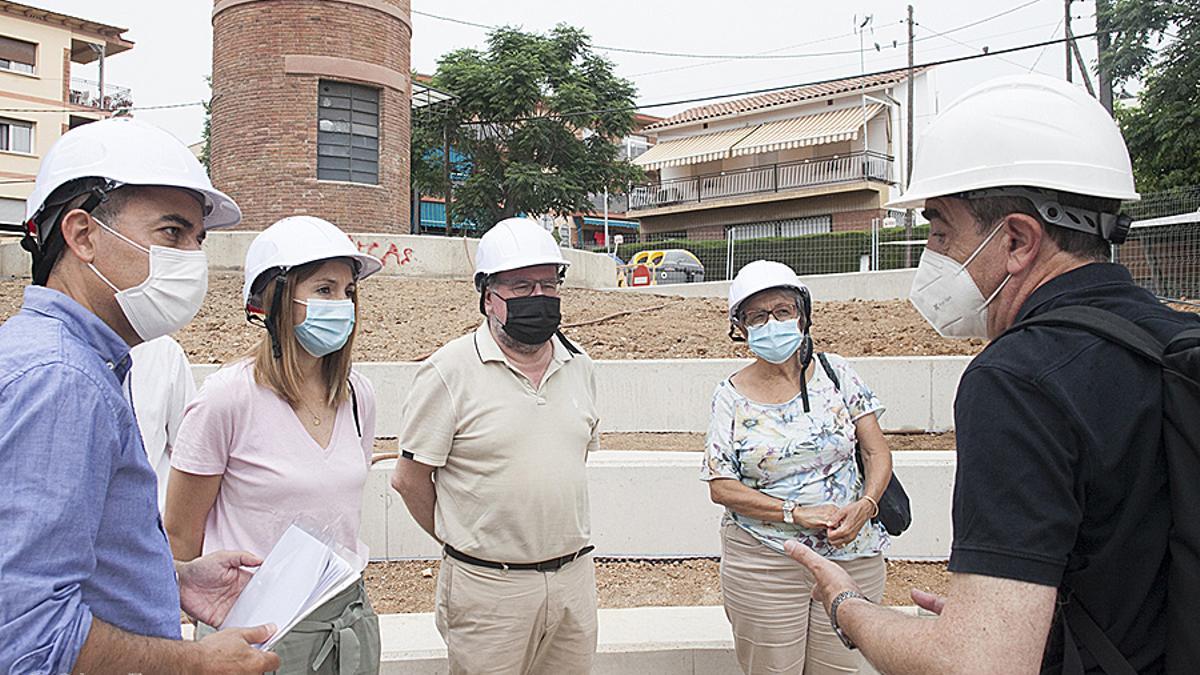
(1021,131)
(514,243)
(297,240)
(761,275)
(126,151)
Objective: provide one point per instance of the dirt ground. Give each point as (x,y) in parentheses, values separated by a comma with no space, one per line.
(407,319)
(402,587)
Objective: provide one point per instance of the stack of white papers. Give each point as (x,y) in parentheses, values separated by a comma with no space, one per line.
(299,575)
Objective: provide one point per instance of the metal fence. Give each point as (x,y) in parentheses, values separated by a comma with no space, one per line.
(1164,256)
(808,244)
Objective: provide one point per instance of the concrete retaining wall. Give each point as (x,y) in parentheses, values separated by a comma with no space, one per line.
(887,285)
(675,395)
(420,256)
(653,505)
(427,257)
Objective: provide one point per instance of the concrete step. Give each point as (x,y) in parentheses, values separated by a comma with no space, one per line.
(653,505)
(676,394)
(659,640)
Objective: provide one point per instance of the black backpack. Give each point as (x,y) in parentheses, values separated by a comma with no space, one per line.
(1180,362)
(894,511)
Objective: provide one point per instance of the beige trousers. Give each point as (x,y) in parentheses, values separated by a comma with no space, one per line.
(518,622)
(777,625)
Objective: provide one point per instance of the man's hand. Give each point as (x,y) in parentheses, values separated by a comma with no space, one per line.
(928,601)
(831,579)
(232,651)
(848,521)
(817,517)
(209,586)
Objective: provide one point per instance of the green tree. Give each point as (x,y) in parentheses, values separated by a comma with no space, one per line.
(206,134)
(537,118)
(1154,41)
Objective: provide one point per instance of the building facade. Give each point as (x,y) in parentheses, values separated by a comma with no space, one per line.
(310,110)
(44,57)
(809,160)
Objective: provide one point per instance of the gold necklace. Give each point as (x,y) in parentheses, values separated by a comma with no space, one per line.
(316,420)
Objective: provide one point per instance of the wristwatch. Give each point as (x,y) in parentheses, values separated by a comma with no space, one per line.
(833,608)
(789,505)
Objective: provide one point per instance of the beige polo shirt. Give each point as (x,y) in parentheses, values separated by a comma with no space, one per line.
(512,477)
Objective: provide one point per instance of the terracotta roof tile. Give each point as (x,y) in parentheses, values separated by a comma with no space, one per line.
(783,97)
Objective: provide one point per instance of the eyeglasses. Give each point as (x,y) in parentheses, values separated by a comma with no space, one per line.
(524,287)
(758,318)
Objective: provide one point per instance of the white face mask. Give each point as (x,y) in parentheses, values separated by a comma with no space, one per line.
(169,297)
(946,295)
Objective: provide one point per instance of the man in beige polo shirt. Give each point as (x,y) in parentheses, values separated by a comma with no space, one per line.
(494,444)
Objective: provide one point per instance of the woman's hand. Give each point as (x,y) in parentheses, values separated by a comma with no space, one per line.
(817,517)
(848,521)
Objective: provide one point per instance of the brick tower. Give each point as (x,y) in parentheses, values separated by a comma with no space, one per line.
(310,110)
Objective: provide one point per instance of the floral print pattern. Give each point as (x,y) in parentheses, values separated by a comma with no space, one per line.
(785,452)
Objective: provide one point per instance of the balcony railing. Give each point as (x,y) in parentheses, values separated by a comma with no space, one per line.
(87,93)
(773,178)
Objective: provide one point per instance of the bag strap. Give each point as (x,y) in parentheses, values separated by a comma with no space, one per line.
(829,371)
(354,406)
(1101,323)
(1078,623)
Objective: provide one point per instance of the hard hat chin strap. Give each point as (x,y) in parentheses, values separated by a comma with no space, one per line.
(43,232)
(274,321)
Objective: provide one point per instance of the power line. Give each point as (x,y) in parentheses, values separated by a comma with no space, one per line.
(118,109)
(738,57)
(769,90)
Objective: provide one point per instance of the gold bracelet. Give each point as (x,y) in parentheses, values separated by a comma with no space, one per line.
(873,503)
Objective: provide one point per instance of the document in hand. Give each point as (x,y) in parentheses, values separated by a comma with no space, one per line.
(300,574)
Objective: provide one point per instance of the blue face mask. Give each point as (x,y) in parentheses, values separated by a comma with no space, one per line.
(326,327)
(776,341)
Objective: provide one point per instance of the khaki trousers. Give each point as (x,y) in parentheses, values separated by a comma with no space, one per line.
(777,625)
(517,622)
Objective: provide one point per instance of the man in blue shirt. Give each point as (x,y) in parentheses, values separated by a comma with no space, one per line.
(87,582)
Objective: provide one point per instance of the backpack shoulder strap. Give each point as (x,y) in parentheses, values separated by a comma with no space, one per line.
(829,370)
(354,406)
(1101,323)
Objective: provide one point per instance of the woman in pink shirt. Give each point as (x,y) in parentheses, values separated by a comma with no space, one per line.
(285,435)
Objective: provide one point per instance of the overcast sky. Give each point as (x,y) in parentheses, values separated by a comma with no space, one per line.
(173,39)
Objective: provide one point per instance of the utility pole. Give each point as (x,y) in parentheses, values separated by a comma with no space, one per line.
(1067,35)
(446,169)
(1102,45)
(908,153)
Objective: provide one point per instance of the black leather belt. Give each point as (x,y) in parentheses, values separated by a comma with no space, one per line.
(552,565)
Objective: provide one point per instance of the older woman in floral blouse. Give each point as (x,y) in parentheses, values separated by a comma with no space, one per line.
(780,457)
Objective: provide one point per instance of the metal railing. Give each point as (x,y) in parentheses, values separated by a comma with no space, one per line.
(772,178)
(87,93)
(1164,259)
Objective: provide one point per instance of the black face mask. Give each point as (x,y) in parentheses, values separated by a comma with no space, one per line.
(532,319)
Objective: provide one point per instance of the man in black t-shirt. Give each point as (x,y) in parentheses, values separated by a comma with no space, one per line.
(1061,488)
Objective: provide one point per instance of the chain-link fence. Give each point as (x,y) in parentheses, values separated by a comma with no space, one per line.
(1163,248)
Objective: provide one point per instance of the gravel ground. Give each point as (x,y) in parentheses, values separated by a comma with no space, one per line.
(407,319)
(401,587)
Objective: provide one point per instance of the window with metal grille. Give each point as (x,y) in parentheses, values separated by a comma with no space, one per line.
(347,133)
(16,136)
(17,55)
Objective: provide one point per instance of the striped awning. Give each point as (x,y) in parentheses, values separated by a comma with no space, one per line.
(691,149)
(827,127)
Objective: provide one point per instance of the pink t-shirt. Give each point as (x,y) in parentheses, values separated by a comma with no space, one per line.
(274,473)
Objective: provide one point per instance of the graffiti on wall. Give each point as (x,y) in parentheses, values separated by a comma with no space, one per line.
(389,253)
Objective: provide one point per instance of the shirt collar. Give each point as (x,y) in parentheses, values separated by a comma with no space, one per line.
(1088,276)
(82,323)
(489,350)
